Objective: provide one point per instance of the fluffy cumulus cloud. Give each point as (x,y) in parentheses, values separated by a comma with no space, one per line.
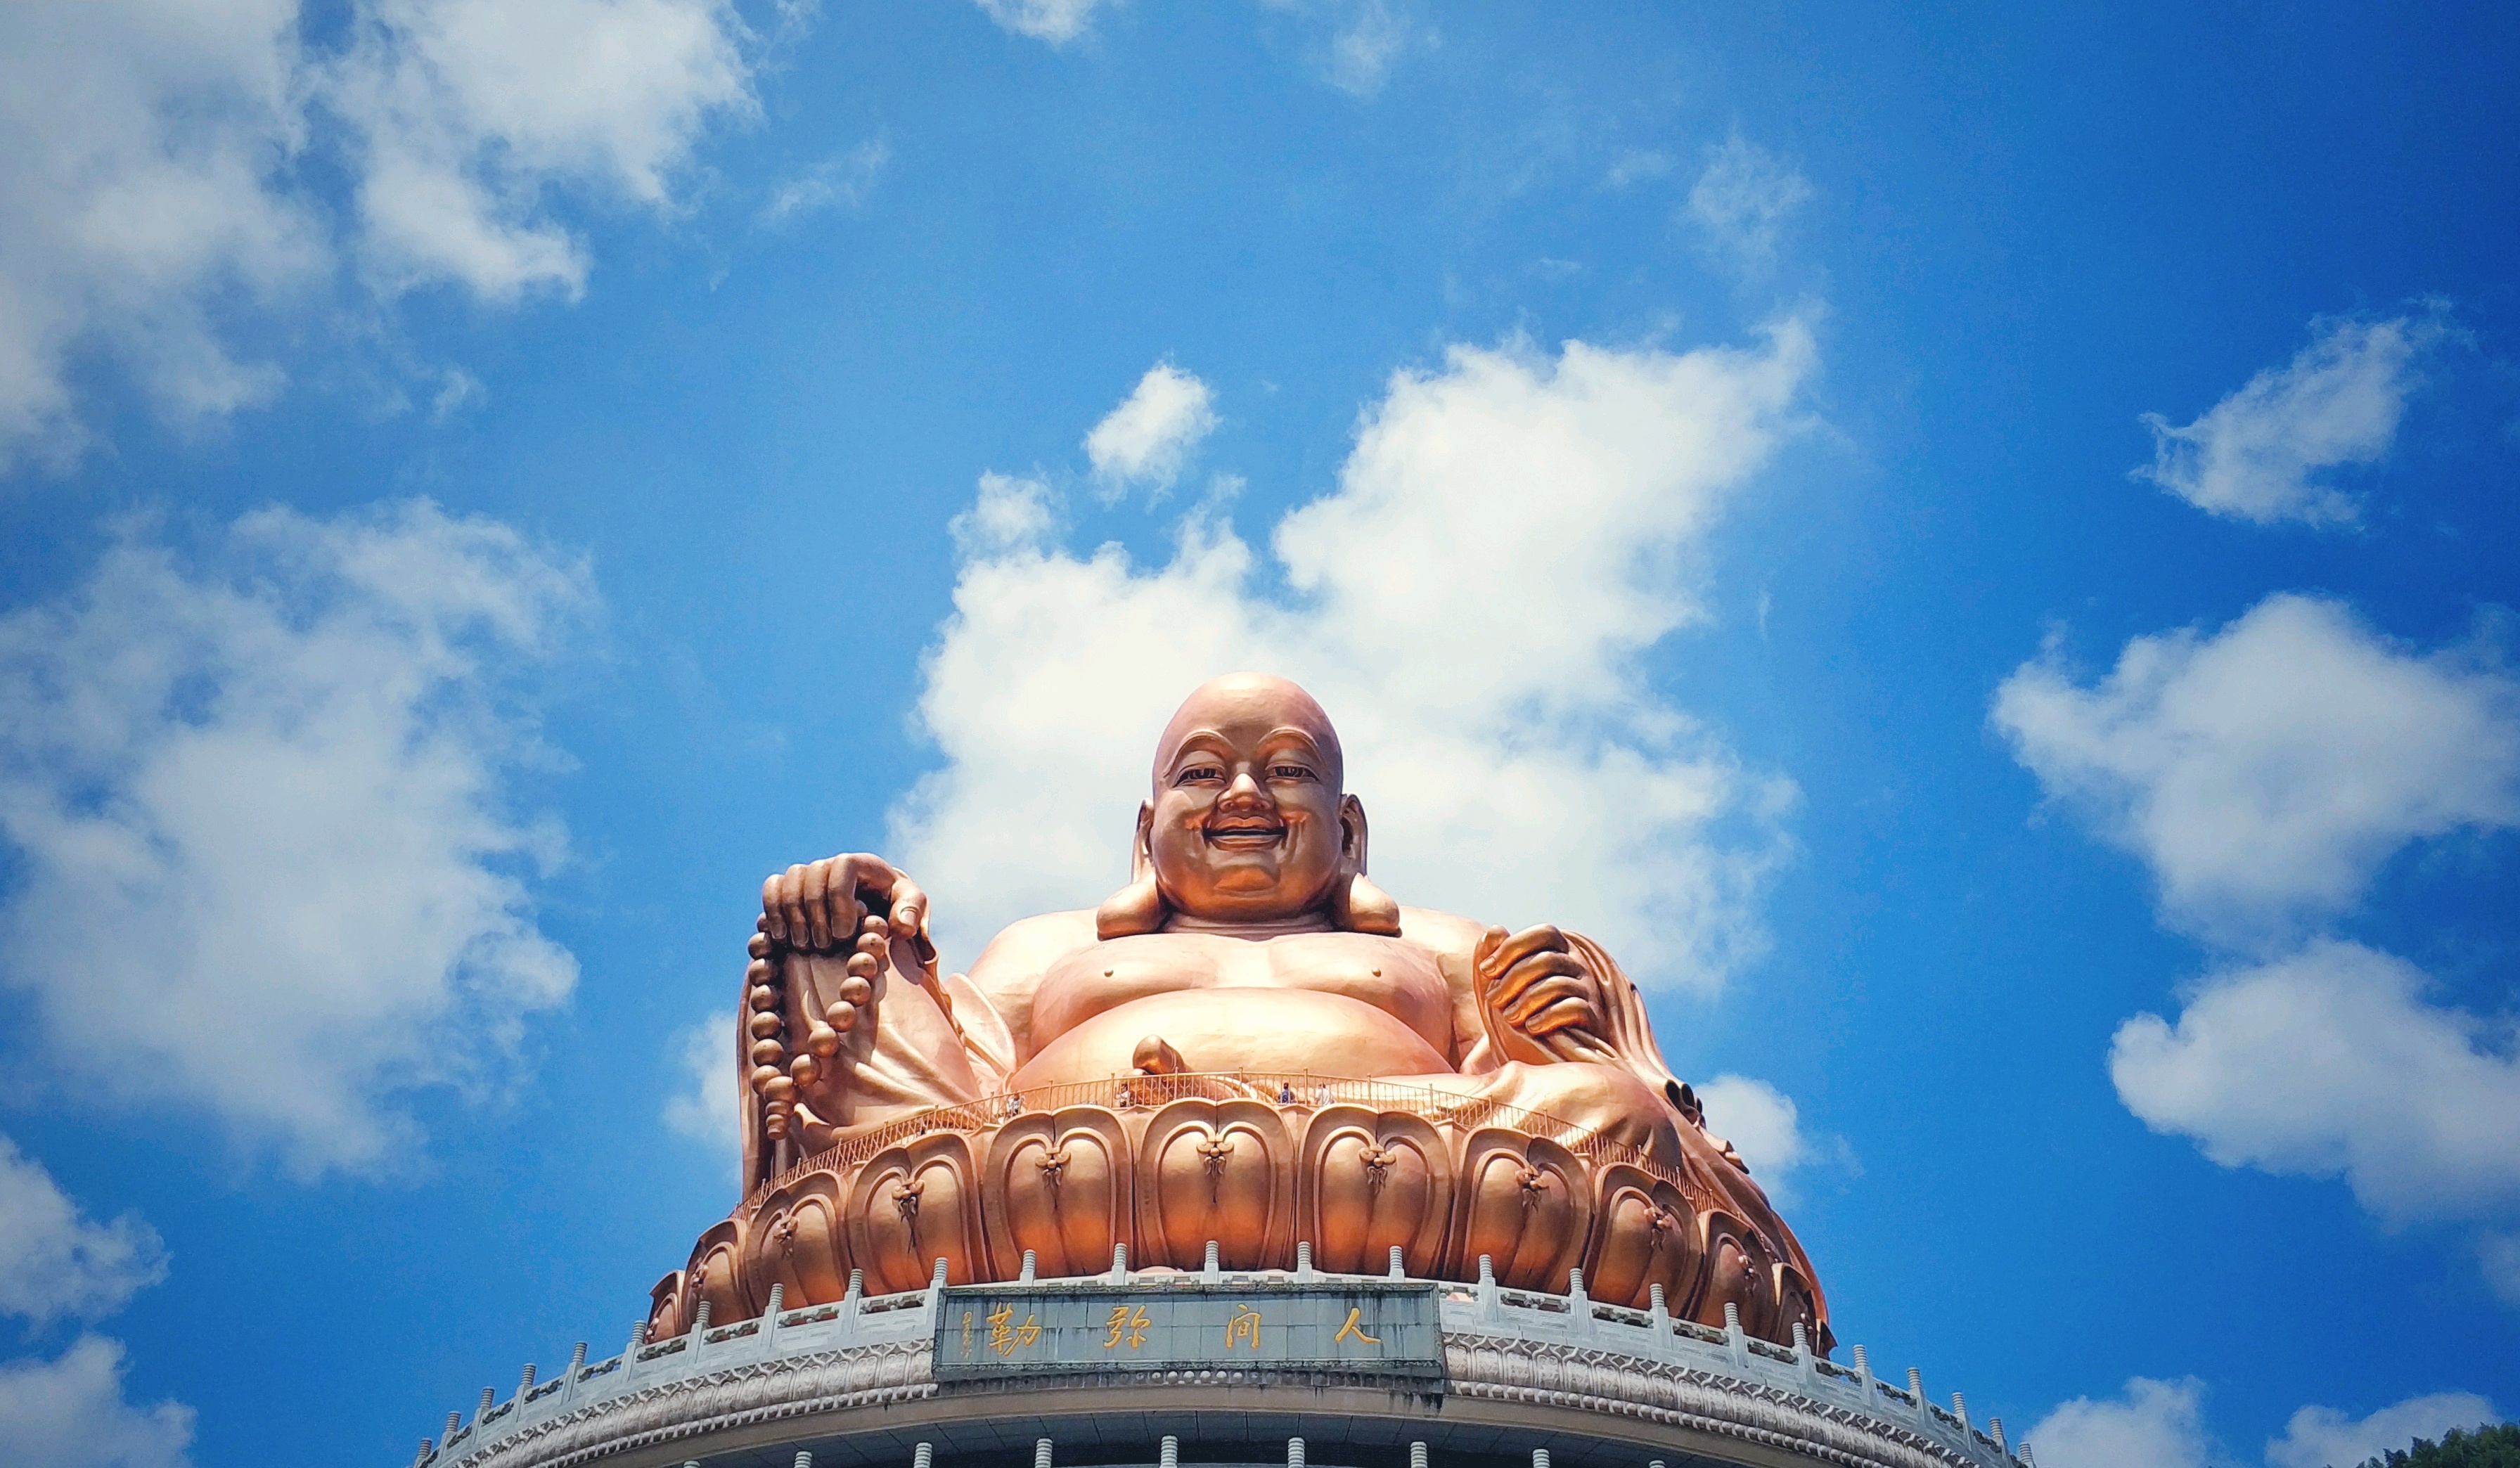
(260,789)
(2321,1437)
(2265,771)
(1008,515)
(465,110)
(2331,1063)
(55,1261)
(139,145)
(2159,1424)
(1742,199)
(1765,1127)
(70,1412)
(151,155)
(1147,440)
(2268,452)
(1057,21)
(1510,532)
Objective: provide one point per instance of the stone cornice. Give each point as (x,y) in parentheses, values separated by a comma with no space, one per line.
(1554,1364)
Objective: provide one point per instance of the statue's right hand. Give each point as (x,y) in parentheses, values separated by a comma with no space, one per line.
(817,907)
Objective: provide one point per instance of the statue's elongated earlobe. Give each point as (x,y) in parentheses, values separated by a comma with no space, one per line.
(1358,905)
(1138,907)
(1361,907)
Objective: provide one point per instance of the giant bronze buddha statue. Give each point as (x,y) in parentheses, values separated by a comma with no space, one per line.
(1250,1046)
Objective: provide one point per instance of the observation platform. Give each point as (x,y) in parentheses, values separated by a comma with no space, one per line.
(1164,1369)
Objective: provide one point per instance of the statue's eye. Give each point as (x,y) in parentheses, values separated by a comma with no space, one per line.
(1199,772)
(1289,772)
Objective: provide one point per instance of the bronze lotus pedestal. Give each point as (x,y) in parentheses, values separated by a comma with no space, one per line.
(1165,1171)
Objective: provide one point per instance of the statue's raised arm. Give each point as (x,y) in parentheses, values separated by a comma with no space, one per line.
(1248,1046)
(847,1023)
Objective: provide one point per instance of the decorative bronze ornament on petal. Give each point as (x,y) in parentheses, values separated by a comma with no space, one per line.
(1645,1233)
(1372,1180)
(1526,1203)
(799,1241)
(915,1205)
(1797,1303)
(1739,1269)
(714,1274)
(665,1306)
(1220,1170)
(1059,1183)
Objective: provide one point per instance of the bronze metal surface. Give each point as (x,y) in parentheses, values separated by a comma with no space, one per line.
(1250,1046)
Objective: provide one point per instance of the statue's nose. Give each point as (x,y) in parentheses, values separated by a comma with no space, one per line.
(1243,789)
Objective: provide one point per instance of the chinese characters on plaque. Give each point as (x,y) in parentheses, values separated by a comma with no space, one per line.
(1357,1326)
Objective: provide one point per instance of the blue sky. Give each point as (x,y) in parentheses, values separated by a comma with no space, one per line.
(1972,547)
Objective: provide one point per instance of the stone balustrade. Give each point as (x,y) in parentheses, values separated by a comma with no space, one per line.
(1597,1382)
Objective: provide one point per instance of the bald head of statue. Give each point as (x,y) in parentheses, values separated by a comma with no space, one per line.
(1248,824)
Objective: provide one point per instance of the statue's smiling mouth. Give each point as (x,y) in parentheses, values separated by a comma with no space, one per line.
(1246,834)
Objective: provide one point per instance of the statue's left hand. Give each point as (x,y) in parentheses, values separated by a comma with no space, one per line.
(816,906)
(1537,984)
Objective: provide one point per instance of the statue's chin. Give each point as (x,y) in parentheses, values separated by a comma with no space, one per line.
(1267,926)
(1221,906)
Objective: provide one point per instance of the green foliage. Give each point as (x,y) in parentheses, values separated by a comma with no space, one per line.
(2485,1448)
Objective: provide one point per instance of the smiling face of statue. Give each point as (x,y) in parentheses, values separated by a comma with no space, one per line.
(1248,824)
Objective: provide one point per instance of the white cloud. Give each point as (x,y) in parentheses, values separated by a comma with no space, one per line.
(1147,440)
(264,791)
(2329,1062)
(1742,199)
(466,110)
(1008,515)
(1509,535)
(150,153)
(54,1262)
(2265,771)
(704,1110)
(1057,21)
(70,1413)
(2259,455)
(842,179)
(2157,1424)
(2318,1436)
(137,143)
(1765,1125)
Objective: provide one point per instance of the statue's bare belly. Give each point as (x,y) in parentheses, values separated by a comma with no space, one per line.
(1297,1003)
(1290,1030)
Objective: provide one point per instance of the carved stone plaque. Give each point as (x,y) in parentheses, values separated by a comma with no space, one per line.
(993,1331)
